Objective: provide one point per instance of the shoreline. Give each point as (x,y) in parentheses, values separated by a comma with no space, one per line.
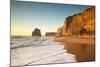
(34,51)
(81,46)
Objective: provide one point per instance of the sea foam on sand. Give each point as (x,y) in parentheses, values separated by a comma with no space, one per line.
(51,52)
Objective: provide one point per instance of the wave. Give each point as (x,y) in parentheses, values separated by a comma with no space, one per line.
(38,50)
(35,41)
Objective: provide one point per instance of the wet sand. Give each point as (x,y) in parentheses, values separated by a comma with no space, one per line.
(38,50)
(82,46)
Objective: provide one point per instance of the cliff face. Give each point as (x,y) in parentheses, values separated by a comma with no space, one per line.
(79,24)
(36,32)
(50,34)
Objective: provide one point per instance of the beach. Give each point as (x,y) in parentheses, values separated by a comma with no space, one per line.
(38,50)
(81,46)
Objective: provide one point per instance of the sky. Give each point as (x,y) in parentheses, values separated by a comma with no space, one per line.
(26,16)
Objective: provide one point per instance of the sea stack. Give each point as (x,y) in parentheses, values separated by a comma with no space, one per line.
(36,32)
(50,34)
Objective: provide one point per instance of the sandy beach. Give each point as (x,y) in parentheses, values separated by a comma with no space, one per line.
(81,46)
(38,50)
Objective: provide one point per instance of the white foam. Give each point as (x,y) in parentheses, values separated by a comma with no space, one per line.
(47,51)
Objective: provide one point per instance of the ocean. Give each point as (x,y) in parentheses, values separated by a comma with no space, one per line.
(35,50)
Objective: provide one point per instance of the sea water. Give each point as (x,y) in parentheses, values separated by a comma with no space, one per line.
(33,50)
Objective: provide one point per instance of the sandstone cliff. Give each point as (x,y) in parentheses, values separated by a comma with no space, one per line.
(79,24)
(36,32)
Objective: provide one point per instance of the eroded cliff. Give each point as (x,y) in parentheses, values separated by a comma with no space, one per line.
(79,24)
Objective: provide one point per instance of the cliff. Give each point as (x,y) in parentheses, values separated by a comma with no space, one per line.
(36,32)
(79,24)
(50,34)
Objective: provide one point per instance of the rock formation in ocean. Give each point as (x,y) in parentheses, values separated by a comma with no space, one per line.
(36,32)
(50,34)
(79,24)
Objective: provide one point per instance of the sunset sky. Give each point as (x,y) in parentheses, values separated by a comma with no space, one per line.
(25,16)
